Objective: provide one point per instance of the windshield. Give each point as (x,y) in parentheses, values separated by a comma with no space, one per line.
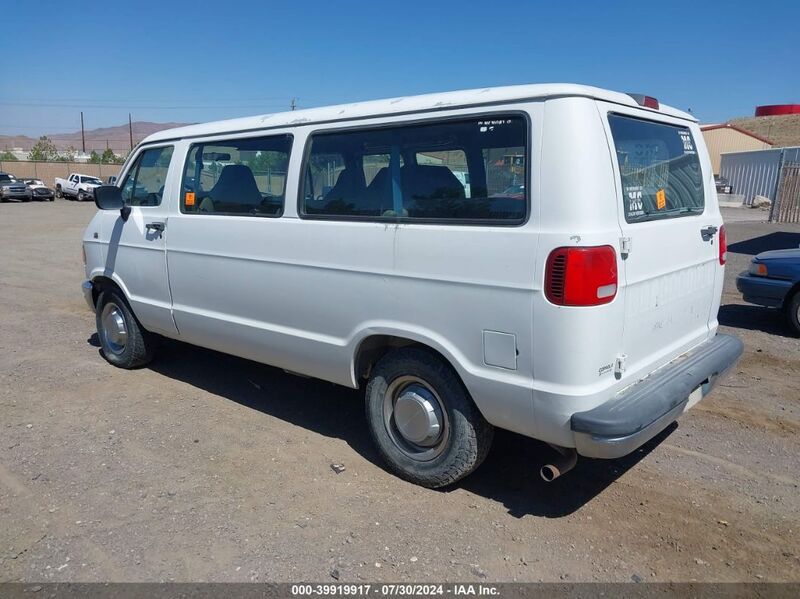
(92,180)
(659,168)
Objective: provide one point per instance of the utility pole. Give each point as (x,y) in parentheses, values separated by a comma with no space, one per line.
(83,136)
(294,103)
(130,129)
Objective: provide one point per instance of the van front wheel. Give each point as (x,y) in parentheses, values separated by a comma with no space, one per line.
(422,419)
(123,340)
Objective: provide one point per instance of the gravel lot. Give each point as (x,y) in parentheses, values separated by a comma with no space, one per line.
(208,467)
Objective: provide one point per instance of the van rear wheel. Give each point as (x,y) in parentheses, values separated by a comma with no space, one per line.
(123,341)
(422,419)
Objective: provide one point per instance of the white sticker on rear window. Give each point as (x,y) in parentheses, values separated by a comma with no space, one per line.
(688,144)
(635,206)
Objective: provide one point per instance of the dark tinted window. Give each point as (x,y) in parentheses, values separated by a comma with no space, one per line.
(144,183)
(660,169)
(237,177)
(465,170)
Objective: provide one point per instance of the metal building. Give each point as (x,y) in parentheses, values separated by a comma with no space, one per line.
(730,138)
(758,172)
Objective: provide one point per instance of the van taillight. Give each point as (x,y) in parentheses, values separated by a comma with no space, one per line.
(581,276)
(723,246)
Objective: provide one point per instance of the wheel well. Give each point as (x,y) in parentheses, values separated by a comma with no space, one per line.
(373,348)
(101,283)
(790,294)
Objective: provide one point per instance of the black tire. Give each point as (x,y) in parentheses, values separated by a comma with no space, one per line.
(139,345)
(793,311)
(464,437)
(59,193)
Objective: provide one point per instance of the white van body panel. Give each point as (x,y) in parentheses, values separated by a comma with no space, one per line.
(577,208)
(304,294)
(135,257)
(313,323)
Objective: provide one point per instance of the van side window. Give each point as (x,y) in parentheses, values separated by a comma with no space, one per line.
(243,177)
(470,170)
(144,183)
(659,168)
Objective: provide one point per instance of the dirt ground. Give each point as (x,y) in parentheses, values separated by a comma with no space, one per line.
(207,467)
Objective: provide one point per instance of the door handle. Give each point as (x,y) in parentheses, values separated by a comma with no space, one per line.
(708,232)
(155,226)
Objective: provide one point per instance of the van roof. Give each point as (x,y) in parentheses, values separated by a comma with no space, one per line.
(407,104)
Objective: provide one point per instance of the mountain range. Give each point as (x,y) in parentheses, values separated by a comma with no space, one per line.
(117,138)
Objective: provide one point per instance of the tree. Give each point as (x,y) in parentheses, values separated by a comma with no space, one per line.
(94,158)
(68,155)
(267,160)
(44,150)
(8,156)
(109,157)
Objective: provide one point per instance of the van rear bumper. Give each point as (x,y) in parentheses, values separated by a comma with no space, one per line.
(624,423)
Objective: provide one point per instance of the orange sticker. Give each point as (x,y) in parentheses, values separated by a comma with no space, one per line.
(190,198)
(661,199)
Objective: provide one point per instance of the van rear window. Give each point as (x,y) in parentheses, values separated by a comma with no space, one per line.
(659,167)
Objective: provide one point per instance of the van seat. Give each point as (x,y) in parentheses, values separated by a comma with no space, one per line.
(236,186)
(347,187)
(425,187)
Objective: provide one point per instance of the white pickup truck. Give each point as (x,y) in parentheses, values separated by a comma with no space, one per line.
(77,186)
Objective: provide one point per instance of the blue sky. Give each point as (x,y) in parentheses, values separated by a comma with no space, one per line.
(205,60)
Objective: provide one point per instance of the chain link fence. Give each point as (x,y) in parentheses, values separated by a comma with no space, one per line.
(786,208)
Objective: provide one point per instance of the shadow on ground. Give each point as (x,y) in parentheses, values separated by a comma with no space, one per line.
(780,240)
(755,318)
(510,474)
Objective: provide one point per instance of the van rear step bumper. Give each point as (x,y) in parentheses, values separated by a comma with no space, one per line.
(640,412)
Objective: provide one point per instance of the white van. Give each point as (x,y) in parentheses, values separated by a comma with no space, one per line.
(571,296)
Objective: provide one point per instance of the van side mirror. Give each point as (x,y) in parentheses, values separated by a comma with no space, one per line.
(109,197)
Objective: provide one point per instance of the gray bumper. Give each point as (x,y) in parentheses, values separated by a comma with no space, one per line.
(87,288)
(640,412)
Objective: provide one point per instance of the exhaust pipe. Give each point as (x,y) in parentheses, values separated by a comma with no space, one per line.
(566,460)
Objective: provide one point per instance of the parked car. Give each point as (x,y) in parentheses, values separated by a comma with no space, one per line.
(39,191)
(112,180)
(773,280)
(559,315)
(722,184)
(12,189)
(77,186)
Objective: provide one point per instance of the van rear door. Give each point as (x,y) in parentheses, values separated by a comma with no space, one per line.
(670,224)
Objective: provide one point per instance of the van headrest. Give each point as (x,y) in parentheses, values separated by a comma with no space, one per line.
(236,185)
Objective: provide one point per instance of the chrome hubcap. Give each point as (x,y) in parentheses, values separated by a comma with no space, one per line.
(114,332)
(415,418)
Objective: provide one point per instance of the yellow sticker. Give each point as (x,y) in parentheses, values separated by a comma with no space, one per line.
(661,199)
(190,198)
